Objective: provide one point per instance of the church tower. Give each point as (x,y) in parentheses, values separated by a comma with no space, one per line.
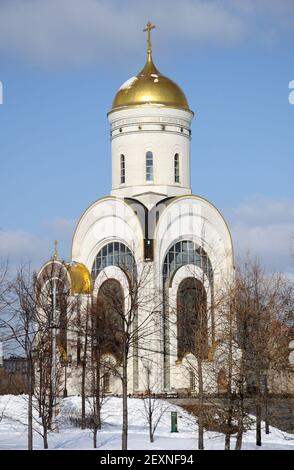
(152,221)
(150,128)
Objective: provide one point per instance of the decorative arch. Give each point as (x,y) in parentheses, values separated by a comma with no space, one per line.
(194,218)
(192,329)
(114,254)
(186,252)
(115,220)
(52,294)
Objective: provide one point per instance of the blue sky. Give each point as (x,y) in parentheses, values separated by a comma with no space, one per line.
(61,63)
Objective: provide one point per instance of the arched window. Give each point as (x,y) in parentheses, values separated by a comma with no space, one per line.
(122,169)
(149,166)
(192,318)
(186,252)
(114,254)
(177,168)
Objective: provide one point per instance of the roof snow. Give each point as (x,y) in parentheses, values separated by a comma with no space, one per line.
(128,83)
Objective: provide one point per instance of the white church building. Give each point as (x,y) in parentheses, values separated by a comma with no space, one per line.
(152,220)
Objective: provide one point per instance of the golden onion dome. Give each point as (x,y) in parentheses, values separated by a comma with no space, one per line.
(81,281)
(149,88)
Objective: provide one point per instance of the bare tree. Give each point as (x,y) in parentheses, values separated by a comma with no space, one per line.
(100,370)
(132,312)
(230,365)
(19,324)
(196,308)
(55,306)
(154,409)
(35,310)
(259,305)
(102,364)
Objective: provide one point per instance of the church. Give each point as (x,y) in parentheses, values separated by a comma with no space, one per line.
(152,220)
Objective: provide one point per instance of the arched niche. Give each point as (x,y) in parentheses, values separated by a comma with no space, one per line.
(192,328)
(107,320)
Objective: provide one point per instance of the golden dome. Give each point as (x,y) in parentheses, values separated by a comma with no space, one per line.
(81,281)
(149,87)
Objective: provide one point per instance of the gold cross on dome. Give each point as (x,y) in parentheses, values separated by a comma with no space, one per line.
(149,27)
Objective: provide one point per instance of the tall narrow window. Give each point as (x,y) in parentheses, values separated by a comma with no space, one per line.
(149,166)
(122,169)
(177,168)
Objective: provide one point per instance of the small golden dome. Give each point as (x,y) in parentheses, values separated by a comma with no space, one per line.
(81,281)
(149,88)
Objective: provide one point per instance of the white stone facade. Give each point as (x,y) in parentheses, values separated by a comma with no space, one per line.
(164,132)
(160,213)
(153,219)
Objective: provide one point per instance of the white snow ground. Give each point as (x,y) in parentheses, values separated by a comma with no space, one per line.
(13,430)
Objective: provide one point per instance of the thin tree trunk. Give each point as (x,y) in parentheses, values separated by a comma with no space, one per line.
(229,385)
(83,396)
(95,437)
(229,425)
(240,420)
(258,415)
(239,437)
(98,393)
(150,428)
(45,438)
(258,424)
(84,370)
(30,405)
(201,404)
(267,428)
(125,403)
(83,385)
(41,382)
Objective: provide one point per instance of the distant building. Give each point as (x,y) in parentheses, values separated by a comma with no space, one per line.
(15,365)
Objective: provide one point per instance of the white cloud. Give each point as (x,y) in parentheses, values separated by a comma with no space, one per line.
(91,31)
(21,247)
(264,228)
